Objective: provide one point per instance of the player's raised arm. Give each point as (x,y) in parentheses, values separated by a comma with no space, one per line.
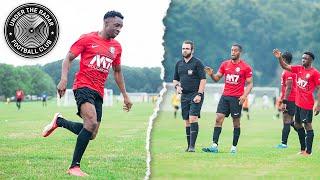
(215,77)
(118,77)
(283,64)
(66,64)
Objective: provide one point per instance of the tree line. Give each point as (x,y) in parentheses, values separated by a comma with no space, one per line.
(35,80)
(258,25)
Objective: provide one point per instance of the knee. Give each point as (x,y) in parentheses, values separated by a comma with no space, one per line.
(297,125)
(308,126)
(187,123)
(91,126)
(236,125)
(94,135)
(219,120)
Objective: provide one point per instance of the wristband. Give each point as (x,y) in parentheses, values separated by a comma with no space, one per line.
(200,94)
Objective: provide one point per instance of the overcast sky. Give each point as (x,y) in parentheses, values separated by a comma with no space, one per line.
(141,35)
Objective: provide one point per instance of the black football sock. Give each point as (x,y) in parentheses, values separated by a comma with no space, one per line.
(236,135)
(194,129)
(188,135)
(302,138)
(74,127)
(81,145)
(309,141)
(285,133)
(216,134)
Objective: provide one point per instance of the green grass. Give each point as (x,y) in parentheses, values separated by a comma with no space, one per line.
(256,158)
(118,152)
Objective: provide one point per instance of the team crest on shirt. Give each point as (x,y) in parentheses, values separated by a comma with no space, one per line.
(307,76)
(237,69)
(190,72)
(112,50)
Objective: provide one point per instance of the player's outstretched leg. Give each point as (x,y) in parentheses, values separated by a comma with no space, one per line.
(59,121)
(48,129)
(88,113)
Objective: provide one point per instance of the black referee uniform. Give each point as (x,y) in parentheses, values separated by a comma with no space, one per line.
(189,74)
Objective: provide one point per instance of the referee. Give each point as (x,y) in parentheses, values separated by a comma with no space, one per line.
(190,80)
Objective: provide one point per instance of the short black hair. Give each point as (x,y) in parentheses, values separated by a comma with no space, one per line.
(287,56)
(189,42)
(238,45)
(113,14)
(310,54)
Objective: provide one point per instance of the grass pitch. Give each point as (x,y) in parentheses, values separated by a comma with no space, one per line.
(118,152)
(257,157)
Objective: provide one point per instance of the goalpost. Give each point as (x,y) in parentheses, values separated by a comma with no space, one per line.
(213,92)
(69,100)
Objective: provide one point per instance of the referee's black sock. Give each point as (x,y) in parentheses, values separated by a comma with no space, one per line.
(302,138)
(194,129)
(309,141)
(236,135)
(216,134)
(74,127)
(81,145)
(188,136)
(285,133)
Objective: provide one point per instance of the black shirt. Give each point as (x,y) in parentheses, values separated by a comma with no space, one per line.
(189,74)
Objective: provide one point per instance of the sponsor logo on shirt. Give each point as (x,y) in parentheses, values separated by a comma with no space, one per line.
(101,63)
(302,83)
(232,78)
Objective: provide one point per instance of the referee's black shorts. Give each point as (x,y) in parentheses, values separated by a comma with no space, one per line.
(188,107)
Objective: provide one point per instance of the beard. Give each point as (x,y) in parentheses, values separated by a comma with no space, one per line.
(234,57)
(186,55)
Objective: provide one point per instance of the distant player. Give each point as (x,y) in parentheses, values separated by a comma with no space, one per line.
(99,51)
(176,98)
(307,80)
(19,98)
(190,80)
(245,107)
(44,99)
(265,102)
(237,74)
(288,95)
